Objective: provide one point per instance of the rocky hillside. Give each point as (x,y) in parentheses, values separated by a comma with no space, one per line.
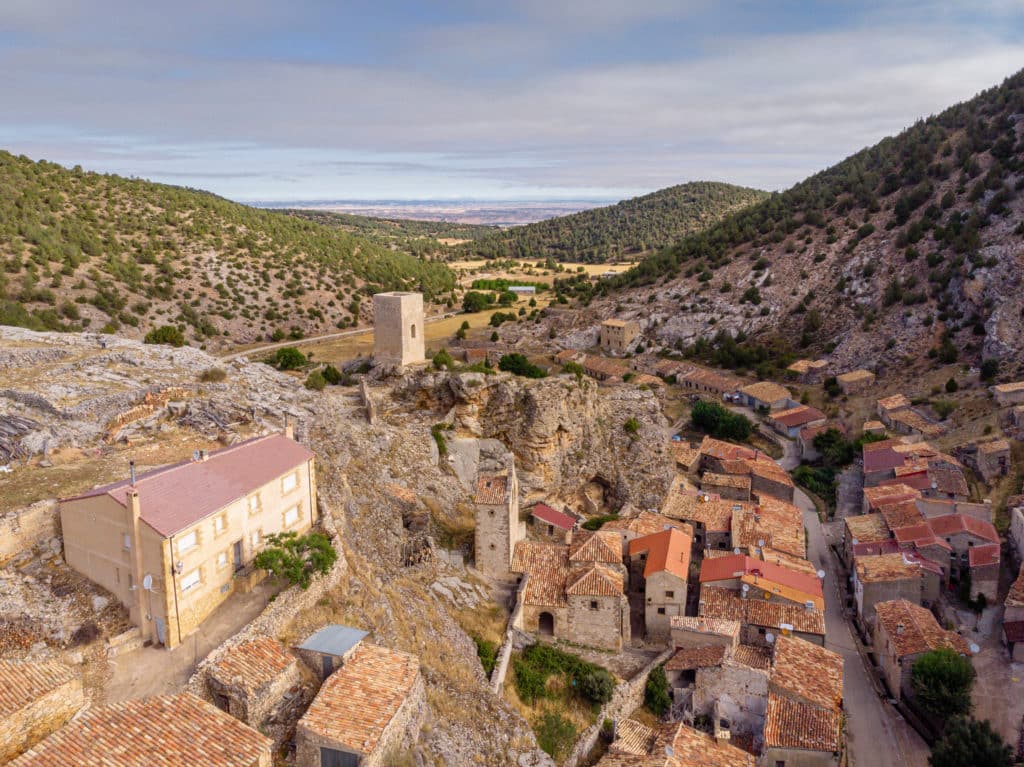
(88,251)
(625,230)
(907,250)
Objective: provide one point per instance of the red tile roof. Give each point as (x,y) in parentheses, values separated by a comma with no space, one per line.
(23,683)
(797,416)
(595,581)
(920,534)
(163,731)
(491,489)
(175,497)
(913,629)
(879,456)
(253,663)
(667,551)
(986,554)
(689,658)
(951,524)
(1015,596)
(792,724)
(808,671)
(889,493)
(738,565)
(598,546)
(545,513)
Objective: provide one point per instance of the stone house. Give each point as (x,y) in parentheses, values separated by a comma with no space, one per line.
(252,679)
(1008,394)
(717,455)
(990,460)
(769,479)
(662,562)
(687,456)
(864,528)
(903,632)
(765,395)
(1013,619)
(550,524)
(36,699)
(327,649)
(805,439)
(704,381)
(808,371)
(884,577)
(169,542)
(642,524)
(162,731)
(763,580)
(734,692)
(709,516)
(983,562)
(939,507)
(771,524)
(762,621)
(372,705)
(574,592)
(855,381)
(733,487)
(604,369)
(963,534)
(671,745)
(790,421)
(398,335)
(498,526)
(616,336)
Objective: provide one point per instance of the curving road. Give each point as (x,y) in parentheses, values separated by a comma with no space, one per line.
(876,735)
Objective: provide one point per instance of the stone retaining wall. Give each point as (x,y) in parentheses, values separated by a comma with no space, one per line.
(22,529)
(627,697)
(505,653)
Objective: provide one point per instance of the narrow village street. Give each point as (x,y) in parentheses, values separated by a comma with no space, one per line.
(876,735)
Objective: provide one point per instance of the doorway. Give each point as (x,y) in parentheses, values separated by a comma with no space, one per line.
(546,624)
(237,554)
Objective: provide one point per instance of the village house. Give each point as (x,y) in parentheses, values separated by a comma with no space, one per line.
(770,524)
(327,648)
(1013,619)
(884,577)
(687,456)
(983,563)
(882,495)
(662,562)
(252,679)
(692,632)
(790,421)
(1008,394)
(873,428)
(765,395)
(808,371)
(36,700)
(162,731)
(803,718)
(704,381)
(550,524)
(965,535)
(642,524)
(732,693)
(574,592)
(855,381)
(733,487)
(763,580)
(671,745)
(805,439)
(363,711)
(169,542)
(616,336)
(897,413)
(990,460)
(939,507)
(864,528)
(903,632)
(769,481)
(761,620)
(716,455)
(604,369)
(709,515)
(498,526)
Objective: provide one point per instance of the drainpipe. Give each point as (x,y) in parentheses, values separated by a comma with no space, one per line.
(135,539)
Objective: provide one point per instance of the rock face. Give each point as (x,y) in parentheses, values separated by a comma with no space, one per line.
(564,433)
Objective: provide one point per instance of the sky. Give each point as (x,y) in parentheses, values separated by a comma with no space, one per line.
(479,99)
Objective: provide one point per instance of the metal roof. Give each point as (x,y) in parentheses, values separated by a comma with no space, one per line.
(333,639)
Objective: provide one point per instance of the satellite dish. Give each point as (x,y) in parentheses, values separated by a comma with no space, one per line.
(745,587)
(974,649)
(669,751)
(821,574)
(736,550)
(147,582)
(769,637)
(760,543)
(179,566)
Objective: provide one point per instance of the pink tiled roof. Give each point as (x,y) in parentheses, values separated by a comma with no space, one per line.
(951,524)
(987,554)
(174,497)
(545,513)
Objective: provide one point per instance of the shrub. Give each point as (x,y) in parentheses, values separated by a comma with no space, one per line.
(944,408)
(598,686)
(332,375)
(712,418)
(575,368)
(475,301)
(443,360)
(555,734)
(989,369)
(951,385)
(967,742)
(288,358)
(297,559)
(632,427)
(595,523)
(942,680)
(656,697)
(166,334)
(316,381)
(487,652)
(437,432)
(520,366)
(213,375)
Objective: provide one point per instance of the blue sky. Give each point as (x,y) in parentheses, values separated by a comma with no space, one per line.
(539,99)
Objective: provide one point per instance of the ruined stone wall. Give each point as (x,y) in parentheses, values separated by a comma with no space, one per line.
(740,691)
(26,727)
(22,529)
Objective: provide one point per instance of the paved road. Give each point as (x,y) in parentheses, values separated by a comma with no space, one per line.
(876,735)
(316,339)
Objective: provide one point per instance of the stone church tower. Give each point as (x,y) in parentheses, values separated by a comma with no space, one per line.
(398,328)
(498,526)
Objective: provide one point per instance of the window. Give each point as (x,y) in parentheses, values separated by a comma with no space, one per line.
(189,581)
(255,538)
(412,331)
(661,611)
(290,482)
(127,542)
(219,524)
(593,604)
(254,504)
(291,516)
(670,595)
(187,541)
(222,560)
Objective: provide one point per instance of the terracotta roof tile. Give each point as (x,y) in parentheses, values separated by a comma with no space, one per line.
(886,567)
(689,658)
(667,551)
(595,581)
(920,631)
(491,489)
(755,657)
(545,513)
(792,724)
(252,663)
(360,699)
(856,375)
(723,603)
(806,366)
(953,524)
(634,738)
(646,523)
(547,565)
(711,480)
(765,576)
(893,403)
(23,682)
(779,525)
(866,528)
(716,448)
(877,496)
(797,416)
(766,391)
(900,514)
(1008,388)
(597,546)
(704,625)
(803,669)
(163,731)
(175,497)
(981,556)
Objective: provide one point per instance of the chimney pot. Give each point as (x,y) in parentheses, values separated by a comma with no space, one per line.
(131,472)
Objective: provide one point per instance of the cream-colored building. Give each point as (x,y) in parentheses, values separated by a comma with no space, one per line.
(617,335)
(169,542)
(398,328)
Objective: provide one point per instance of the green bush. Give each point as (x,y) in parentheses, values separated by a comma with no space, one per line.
(332,375)
(952,386)
(487,652)
(437,432)
(297,559)
(631,427)
(967,742)
(598,686)
(443,360)
(213,375)
(474,301)
(575,369)
(656,695)
(721,423)
(166,334)
(520,366)
(820,480)
(941,680)
(316,381)
(288,358)
(556,735)
(596,523)
(989,369)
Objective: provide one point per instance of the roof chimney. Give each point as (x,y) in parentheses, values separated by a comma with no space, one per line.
(131,472)
(899,628)
(289,429)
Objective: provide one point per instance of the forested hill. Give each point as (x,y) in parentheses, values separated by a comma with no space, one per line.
(621,231)
(84,251)
(908,247)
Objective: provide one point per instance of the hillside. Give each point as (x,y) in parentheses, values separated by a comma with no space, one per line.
(909,249)
(100,252)
(421,238)
(624,230)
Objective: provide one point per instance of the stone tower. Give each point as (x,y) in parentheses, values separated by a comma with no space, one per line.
(398,328)
(498,526)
